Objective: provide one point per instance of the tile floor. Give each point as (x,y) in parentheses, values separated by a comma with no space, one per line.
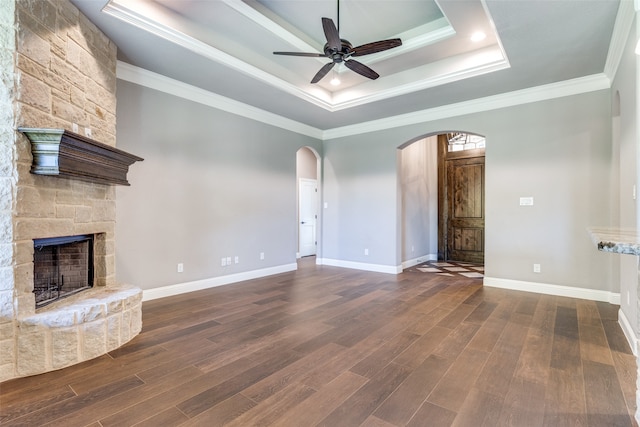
(451,268)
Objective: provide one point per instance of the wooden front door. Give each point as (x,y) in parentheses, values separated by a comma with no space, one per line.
(462,206)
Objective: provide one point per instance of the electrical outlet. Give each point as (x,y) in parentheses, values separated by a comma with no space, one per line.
(87,132)
(536,268)
(366,251)
(237,259)
(261,255)
(223,262)
(180,267)
(74,127)
(228,260)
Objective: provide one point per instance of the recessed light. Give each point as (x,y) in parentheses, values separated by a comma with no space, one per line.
(335,81)
(478,36)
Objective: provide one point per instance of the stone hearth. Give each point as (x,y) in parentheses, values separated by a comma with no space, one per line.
(78,328)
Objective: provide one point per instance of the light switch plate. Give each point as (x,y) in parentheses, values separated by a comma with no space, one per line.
(526,201)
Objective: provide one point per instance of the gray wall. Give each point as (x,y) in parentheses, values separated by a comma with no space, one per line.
(624,174)
(418,171)
(212,185)
(361,196)
(558,151)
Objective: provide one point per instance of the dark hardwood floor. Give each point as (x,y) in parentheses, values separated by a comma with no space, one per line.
(337,347)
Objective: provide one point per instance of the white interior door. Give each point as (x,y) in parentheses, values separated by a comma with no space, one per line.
(307,216)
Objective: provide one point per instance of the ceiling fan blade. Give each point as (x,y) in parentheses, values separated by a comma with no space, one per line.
(315,55)
(361,69)
(331,33)
(323,72)
(374,47)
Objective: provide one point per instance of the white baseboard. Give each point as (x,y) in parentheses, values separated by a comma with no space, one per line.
(415,261)
(548,289)
(518,285)
(628,332)
(376,268)
(181,288)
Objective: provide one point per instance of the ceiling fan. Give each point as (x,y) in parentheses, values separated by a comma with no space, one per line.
(341,50)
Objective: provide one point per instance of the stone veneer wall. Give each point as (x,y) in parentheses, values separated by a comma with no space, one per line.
(7,137)
(58,70)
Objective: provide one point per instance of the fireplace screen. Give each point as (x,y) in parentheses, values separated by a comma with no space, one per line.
(62,266)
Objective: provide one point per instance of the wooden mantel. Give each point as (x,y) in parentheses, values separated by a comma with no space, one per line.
(62,153)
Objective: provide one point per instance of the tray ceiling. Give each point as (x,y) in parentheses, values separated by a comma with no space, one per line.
(226,47)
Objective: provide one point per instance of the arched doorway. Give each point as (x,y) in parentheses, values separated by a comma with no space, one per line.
(307,183)
(441,183)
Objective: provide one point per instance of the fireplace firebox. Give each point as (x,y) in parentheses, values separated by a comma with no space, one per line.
(62,266)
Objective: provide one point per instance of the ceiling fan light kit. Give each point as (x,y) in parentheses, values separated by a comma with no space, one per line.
(341,50)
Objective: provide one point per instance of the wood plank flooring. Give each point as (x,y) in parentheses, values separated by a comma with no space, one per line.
(325,346)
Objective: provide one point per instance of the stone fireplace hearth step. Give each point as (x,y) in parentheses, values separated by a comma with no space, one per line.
(78,328)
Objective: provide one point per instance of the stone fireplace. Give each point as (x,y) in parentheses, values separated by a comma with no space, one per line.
(58,72)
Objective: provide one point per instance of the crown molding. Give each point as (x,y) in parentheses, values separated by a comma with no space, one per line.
(621,30)
(269,25)
(409,43)
(142,77)
(535,94)
(146,78)
(157,28)
(495,62)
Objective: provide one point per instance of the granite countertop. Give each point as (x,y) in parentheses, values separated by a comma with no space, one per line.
(616,240)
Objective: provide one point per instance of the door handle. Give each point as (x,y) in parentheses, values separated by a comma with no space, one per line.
(302,222)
